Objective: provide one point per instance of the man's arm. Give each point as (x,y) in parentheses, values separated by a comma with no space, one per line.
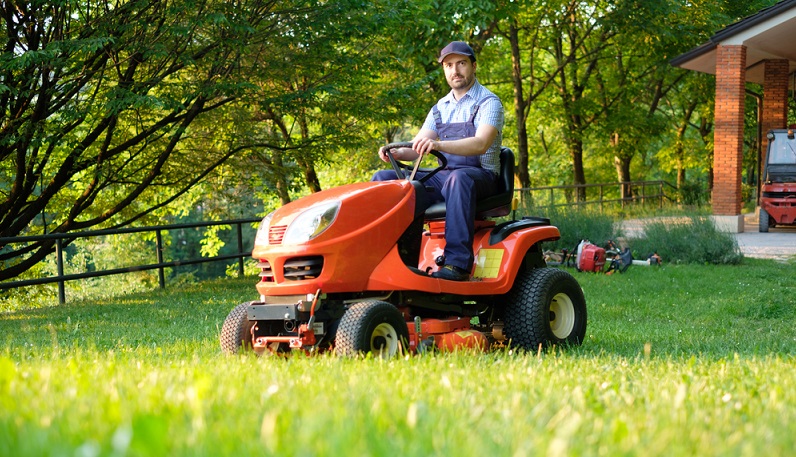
(472,146)
(409,154)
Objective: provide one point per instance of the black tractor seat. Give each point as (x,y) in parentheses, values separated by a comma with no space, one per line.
(495,205)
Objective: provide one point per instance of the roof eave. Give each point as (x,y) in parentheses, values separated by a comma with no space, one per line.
(693,54)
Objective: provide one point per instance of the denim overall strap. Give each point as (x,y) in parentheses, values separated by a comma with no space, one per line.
(457,131)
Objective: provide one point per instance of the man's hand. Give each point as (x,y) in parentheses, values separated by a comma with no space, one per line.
(425,145)
(401,154)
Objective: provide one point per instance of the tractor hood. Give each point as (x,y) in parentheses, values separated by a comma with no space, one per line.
(340,210)
(335,237)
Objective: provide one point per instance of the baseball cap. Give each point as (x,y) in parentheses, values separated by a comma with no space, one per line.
(456,47)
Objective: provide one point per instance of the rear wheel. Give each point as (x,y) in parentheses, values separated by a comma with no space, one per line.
(375,327)
(236,333)
(545,306)
(765,223)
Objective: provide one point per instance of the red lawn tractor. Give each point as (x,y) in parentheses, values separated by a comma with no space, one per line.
(778,192)
(349,269)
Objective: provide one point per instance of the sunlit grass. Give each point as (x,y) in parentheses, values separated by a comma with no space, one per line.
(679,360)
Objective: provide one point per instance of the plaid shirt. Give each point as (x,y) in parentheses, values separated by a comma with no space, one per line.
(490,112)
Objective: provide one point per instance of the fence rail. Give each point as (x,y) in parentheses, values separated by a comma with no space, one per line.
(160,265)
(638,191)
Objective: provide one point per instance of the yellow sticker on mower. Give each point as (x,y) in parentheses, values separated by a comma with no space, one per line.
(487,263)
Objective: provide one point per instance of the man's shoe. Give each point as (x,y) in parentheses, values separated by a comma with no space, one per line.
(451,273)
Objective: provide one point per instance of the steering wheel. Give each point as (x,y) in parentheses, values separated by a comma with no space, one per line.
(399,167)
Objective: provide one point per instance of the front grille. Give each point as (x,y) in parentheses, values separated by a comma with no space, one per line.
(265,271)
(276,233)
(299,268)
(779,195)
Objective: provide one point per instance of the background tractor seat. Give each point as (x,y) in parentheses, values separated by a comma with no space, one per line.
(494,206)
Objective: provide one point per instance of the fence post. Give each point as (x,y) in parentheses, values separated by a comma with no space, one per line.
(601,198)
(643,194)
(59,261)
(240,250)
(161,275)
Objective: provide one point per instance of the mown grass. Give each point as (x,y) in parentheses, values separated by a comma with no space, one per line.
(679,360)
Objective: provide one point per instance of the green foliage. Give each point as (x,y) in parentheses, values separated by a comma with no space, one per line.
(143,102)
(576,225)
(679,360)
(693,193)
(152,111)
(686,240)
(96,126)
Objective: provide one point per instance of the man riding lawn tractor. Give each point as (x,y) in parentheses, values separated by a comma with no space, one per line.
(466,127)
(411,263)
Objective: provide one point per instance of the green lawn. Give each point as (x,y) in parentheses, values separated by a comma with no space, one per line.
(679,360)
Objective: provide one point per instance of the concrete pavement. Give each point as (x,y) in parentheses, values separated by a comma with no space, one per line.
(779,243)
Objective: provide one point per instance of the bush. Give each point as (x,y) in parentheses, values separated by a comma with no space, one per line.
(693,194)
(581,224)
(686,240)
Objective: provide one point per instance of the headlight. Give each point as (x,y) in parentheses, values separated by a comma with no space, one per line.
(311,223)
(261,239)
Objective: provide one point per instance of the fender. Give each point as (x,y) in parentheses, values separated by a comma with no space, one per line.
(496,264)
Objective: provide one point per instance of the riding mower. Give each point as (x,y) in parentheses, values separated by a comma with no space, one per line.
(349,270)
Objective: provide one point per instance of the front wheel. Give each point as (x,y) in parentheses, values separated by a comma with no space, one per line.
(236,333)
(764,221)
(375,327)
(545,306)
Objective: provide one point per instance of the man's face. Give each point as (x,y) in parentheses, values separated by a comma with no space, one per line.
(459,71)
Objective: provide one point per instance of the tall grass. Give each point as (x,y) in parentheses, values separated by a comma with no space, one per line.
(678,360)
(581,224)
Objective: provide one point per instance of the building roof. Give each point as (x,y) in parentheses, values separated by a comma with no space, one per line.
(769,34)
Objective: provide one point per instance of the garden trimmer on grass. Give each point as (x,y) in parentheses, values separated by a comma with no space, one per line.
(588,257)
(349,269)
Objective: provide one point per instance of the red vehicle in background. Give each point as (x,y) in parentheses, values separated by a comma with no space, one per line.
(778,193)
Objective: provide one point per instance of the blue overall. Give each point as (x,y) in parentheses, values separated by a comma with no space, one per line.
(460,185)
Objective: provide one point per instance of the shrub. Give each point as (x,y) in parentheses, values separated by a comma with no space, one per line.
(686,240)
(581,224)
(693,194)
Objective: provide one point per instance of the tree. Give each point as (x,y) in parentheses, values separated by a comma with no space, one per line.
(96,101)
(112,111)
(524,28)
(579,46)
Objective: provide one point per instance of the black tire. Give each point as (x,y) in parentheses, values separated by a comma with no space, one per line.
(545,306)
(375,327)
(765,222)
(236,333)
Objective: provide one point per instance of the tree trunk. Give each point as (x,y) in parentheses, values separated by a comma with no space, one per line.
(579,177)
(519,108)
(310,176)
(306,162)
(622,165)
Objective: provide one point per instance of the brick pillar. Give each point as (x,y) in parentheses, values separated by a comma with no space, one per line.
(728,134)
(775,98)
